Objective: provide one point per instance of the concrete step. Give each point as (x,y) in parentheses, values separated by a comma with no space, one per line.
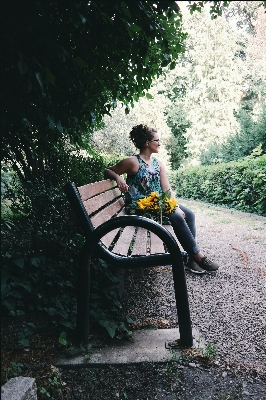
(146,346)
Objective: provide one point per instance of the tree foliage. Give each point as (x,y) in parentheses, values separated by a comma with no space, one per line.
(244,14)
(251,113)
(113,138)
(219,83)
(175,90)
(252,134)
(65,64)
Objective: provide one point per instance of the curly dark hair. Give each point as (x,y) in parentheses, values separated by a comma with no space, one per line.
(140,134)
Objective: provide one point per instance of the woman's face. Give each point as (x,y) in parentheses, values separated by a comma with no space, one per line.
(154,143)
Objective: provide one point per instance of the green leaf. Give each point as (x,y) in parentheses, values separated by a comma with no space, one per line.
(135,28)
(24,342)
(110,326)
(63,314)
(39,79)
(165,194)
(19,262)
(63,338)
(149,96)
(165,63)
(26,286)
(52,312)
(31,325)
(83,19)
(23,67)
(10,305)
(124,7)
(67,324)
(130,320)
(172,65)
(80,62)
(35,261)
(49,77)
(19,313)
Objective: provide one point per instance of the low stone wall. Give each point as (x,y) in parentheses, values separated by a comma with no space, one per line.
(19,388)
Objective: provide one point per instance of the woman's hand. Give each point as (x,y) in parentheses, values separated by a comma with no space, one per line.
(121,184)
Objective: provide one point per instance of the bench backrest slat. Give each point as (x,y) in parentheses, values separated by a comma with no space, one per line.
(107,213)
(122,245)
(140,245)
(95,203)
(92,189)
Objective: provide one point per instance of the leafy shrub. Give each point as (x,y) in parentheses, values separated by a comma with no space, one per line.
(41,245)
(241,184)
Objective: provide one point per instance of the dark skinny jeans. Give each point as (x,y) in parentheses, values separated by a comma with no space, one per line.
(185,229)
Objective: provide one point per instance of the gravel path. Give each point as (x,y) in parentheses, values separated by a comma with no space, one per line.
(227,308)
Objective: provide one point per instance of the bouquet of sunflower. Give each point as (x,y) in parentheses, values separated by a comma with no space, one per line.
(156,206)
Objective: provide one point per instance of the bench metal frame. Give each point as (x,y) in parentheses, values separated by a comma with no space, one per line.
(93,244)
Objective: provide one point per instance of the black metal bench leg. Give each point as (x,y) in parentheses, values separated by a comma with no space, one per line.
(83,298)
(182,304)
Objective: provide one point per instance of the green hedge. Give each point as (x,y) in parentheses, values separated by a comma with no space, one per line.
(241,184)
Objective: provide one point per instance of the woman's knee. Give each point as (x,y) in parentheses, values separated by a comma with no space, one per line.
(190,215)
(177,218)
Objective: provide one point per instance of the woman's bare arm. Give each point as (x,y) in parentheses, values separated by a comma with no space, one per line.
(165,185)
(127,166)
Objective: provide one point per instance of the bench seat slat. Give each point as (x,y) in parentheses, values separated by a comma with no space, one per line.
(140,245)
(95,188)
(157,245)
(107,213)
(123,242)
(109,237)
(93,204)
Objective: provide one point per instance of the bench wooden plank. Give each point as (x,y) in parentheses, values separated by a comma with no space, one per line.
(95,188)
(157,245)
(107,213)
(170,229)
(93,204)
(140,245)
(123,242)
(107,239)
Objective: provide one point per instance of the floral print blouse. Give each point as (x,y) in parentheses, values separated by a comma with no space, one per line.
(145,181)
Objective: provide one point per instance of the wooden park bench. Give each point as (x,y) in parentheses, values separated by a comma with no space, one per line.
(126,241)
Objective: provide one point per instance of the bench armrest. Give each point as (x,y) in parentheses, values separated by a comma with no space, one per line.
(138,221)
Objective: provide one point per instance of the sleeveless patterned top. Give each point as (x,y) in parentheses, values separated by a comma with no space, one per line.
(145,181)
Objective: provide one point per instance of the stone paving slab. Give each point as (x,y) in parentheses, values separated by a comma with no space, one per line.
(146,346)
(19,388)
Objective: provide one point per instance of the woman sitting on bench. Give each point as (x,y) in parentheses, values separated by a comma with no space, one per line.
(146,174)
